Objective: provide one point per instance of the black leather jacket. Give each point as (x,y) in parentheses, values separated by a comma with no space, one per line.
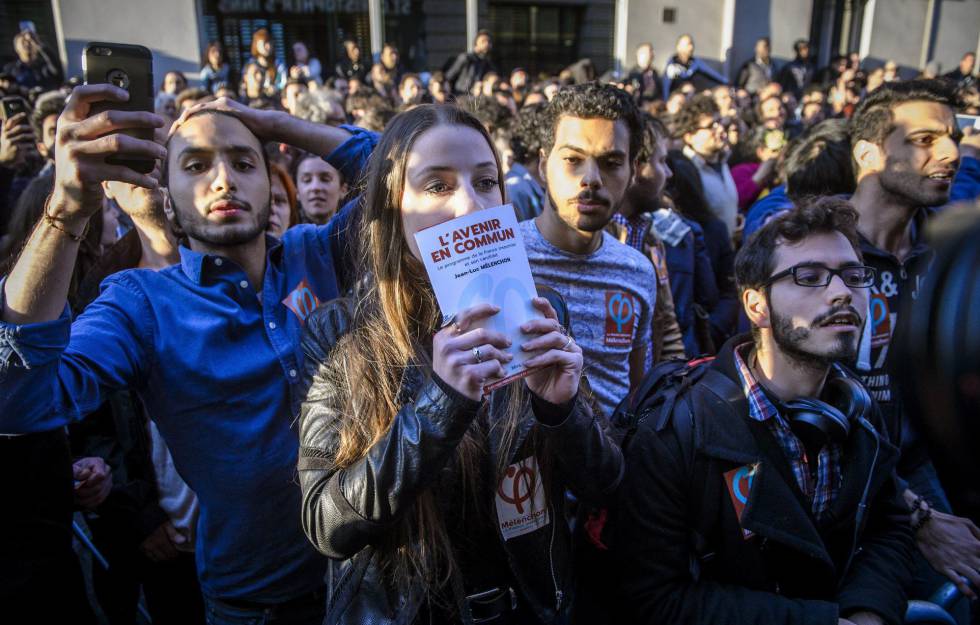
(347,513)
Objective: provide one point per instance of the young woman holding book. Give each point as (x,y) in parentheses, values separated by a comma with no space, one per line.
(437,503)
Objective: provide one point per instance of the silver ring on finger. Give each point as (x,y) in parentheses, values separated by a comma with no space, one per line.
(477,355)
(564,347)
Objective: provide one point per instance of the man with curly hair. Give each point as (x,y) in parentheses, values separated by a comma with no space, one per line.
(706,144)
(524,189)
(588,160)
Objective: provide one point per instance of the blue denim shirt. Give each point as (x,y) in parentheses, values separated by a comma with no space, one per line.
(217,365)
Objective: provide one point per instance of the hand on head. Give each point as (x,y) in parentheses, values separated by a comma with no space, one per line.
(261,123)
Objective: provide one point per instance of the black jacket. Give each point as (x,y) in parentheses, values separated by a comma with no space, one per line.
(348,69)
(796,76)
(680,546)
(466,70)
(895,279)
(348,513)
(646,84)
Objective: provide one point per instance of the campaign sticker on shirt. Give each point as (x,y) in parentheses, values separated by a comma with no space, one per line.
(302,301)
(660,266)
(522,506)
(621,312)
(739,483)
(881,321)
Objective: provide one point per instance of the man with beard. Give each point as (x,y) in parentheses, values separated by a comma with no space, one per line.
(699,126)
(735,507)
(594,136)
(210,345)
(904,146)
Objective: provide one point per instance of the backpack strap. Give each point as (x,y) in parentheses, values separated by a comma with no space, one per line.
(661,387)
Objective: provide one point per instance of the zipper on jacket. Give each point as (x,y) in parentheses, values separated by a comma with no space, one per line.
(559,595)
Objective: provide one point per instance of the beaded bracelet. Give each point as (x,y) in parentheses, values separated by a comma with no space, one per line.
(53,223)
(924,515)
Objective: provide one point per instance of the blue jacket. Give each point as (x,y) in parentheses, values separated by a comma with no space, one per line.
(524,192)
(763,209)
(966,183)
(724,314)
(692,281)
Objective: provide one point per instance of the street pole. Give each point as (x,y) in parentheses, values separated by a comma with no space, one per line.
(377,26)
(620,51)
(472,17)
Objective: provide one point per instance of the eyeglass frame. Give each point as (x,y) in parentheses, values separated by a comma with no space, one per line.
(714,124)
(791,271)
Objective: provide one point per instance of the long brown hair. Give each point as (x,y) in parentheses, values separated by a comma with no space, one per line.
(394,319)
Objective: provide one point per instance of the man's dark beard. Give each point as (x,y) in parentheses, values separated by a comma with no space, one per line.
(222,235)
(592,225)
(641,197)
(150,209)
(790,339)
(908,188)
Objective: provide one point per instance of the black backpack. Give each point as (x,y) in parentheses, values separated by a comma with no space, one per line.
(654,398)
(656,395)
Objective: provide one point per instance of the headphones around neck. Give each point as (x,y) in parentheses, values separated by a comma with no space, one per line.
(828,419)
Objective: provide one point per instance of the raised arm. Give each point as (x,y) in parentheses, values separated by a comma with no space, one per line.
(45,381)
(278,126)
(37,288)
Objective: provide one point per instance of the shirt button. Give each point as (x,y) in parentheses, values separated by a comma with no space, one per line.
(292,373)
(218,262)
(272,325)
(243,284)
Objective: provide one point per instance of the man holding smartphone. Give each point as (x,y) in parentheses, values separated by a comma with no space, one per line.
(19,159)
(35,65)
(210,345)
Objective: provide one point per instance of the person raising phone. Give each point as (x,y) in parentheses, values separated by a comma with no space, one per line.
(210,345)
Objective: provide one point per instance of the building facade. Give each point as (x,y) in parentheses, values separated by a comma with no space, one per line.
(542,36)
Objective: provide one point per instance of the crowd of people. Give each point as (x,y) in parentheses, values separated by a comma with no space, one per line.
(234,368)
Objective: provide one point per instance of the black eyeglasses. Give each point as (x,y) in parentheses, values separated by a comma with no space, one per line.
(811,275)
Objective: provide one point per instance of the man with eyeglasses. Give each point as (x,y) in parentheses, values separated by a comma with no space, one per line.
(909,160)
(735,507)
(698,124)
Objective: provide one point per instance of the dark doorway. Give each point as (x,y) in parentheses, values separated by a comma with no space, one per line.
(541,38)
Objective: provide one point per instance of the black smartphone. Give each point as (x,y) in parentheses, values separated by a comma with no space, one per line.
(128,67)
(12,105)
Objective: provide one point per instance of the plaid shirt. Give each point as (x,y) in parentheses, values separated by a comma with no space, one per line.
(635,230)
(821,492)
